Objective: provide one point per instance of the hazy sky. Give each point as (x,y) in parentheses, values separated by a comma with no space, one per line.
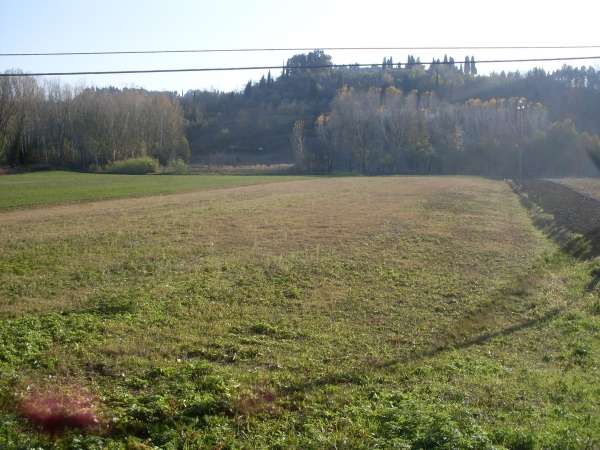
(82,25)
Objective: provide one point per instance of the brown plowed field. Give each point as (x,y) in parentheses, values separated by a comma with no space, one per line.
(577,212)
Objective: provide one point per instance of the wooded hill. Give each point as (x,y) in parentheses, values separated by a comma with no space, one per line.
(413,118)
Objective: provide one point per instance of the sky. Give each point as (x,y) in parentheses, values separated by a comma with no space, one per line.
(115,25)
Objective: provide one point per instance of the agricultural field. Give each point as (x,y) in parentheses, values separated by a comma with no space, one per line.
(587,186)
(351,312)
(44,188)
(569,215)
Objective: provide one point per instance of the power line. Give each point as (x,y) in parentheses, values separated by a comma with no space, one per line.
(298,49)
(324,66)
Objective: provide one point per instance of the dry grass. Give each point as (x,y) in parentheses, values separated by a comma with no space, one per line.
(248,169)
(424,250)
(257,222)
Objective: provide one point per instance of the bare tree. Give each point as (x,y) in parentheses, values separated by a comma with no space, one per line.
(297,141)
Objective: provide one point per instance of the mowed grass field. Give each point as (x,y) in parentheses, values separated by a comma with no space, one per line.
(391,312)
(46,188)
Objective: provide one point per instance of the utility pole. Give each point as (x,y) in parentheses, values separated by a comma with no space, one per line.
(520,116)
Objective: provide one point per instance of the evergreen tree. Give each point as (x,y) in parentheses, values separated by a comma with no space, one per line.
(473,67)
(247,89)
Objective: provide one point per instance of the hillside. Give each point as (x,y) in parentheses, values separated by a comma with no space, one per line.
(415,118)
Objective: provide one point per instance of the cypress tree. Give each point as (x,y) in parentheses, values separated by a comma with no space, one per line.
(473,67)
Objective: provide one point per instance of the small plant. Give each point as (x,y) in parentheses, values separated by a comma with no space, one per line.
(94,168)
(595,307)
(258,400)
(263,328)
(177,167)
(581,352)
(134,166)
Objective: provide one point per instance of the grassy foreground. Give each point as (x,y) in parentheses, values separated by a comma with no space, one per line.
(44,188)
(331,313)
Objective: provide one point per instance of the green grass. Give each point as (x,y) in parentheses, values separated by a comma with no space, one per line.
(45,188)
(417,312)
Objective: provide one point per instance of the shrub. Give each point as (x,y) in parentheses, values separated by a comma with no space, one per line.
(263,328)
(177,167)
(134,166)
(94,168)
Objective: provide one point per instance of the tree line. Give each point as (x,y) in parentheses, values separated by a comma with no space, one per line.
(414,117)
(263,121)
(383,130)
(82,128)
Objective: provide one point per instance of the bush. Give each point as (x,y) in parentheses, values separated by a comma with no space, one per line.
(134,166)
(177,167)
(95,168)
